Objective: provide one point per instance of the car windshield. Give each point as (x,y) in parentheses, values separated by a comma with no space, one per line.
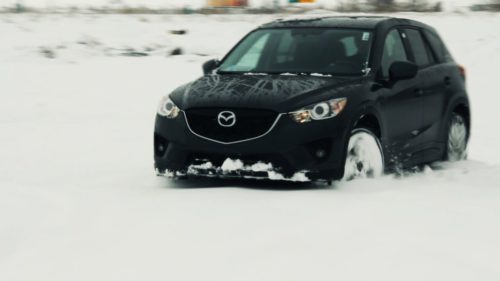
(301,51)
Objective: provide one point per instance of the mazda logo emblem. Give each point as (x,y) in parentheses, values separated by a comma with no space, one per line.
(226,118)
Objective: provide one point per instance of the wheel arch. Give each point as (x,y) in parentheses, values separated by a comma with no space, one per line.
(460,106)
(463,110)
(369,121)
(369,118)
(366,117)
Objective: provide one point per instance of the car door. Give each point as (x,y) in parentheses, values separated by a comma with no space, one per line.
(431,91)
(400,105)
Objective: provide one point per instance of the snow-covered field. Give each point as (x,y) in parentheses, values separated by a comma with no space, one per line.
(447,4)
(79,199)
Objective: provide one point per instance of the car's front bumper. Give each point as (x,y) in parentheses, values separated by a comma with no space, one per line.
(316,149)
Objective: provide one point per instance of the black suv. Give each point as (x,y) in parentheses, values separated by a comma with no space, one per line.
(318,99)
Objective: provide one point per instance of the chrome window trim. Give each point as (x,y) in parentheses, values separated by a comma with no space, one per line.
(232,142)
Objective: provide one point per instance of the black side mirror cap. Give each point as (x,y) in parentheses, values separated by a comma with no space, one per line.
(210,65)
(401,70)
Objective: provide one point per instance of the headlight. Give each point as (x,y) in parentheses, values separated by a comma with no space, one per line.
(319,111)
(168,108)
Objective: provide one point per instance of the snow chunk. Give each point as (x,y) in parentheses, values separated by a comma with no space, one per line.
(297,177)
(321,75)
(204,166)
(230,165)
(261,167)
(193,169)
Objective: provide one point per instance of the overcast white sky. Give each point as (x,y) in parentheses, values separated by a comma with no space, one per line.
(177,3)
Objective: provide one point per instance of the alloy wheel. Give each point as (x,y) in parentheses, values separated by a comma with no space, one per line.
(457,139)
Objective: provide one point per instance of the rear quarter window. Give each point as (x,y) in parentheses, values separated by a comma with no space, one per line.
(440,50)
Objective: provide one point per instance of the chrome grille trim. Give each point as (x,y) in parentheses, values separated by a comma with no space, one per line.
(232,142)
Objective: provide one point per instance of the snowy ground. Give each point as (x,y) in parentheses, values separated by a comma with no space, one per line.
(79,199)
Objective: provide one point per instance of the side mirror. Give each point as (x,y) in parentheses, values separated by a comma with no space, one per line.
(210,65)
(401,70)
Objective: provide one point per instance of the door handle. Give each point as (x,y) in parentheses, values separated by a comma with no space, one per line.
(419,92)
(447,81)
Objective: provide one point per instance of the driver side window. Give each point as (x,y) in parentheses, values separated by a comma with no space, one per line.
(393,51)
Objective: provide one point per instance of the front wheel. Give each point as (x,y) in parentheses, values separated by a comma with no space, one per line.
(364,158)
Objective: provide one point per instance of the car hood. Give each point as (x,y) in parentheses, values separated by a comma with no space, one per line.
(275,92)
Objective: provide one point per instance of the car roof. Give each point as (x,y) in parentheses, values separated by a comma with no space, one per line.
(361,22)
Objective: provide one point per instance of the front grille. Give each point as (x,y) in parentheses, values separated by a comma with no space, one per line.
(250,123)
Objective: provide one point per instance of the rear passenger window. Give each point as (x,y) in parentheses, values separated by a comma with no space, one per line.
(421,51)
(393,51)
(439,48)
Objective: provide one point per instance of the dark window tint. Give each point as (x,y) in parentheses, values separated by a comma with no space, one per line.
(421,52)
(439,48)
(285,45)
(301,50)
(393,51)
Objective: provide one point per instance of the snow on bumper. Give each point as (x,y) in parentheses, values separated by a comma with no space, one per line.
(236,168)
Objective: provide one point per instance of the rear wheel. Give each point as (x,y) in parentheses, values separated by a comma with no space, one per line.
(364,155)
(456,145)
